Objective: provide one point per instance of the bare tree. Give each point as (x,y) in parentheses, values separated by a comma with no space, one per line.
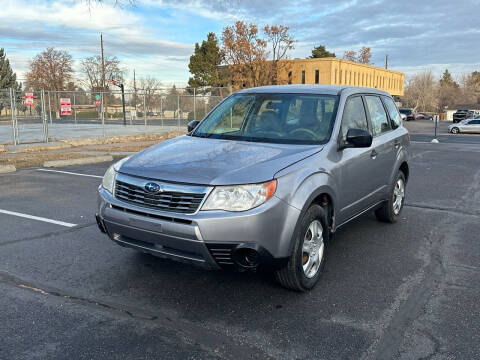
(421,93)
(350,55)
(147,85)
(364,55)
(51,70)
(91,68)
(245,53)
(281,41)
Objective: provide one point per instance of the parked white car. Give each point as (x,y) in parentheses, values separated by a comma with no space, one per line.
(471,125)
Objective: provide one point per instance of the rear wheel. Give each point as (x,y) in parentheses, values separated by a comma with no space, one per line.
(390,210)
(455,130)
(308,255)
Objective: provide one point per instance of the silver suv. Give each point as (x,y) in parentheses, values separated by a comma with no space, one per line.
(265,179)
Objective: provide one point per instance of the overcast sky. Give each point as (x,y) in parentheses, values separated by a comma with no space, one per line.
(157,37)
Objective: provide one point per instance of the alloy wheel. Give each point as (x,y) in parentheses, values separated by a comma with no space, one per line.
(313,249)
(398,196)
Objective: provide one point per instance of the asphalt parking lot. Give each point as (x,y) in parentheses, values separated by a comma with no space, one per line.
(406,291)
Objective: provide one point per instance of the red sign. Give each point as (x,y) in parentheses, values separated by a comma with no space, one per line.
(65,106)
(29,99)
(97,102)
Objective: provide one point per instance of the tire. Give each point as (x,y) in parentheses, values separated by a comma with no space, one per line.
(391,209)
(293,276)
(455,130)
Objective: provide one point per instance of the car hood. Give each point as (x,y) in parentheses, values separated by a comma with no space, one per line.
(195,160)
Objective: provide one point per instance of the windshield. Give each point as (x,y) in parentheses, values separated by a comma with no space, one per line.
(276,118)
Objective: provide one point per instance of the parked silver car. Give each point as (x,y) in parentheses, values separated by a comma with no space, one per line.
(265,179)
(471,125)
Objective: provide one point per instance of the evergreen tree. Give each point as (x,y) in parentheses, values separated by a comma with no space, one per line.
(447,80)
(204,64)
(8,79)
(321,52)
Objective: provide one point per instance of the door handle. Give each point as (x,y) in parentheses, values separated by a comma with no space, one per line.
(373,154)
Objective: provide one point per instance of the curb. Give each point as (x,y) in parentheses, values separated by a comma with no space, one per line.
(4,169)
(80,161)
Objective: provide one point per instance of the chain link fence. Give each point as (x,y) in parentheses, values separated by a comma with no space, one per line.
(45,116)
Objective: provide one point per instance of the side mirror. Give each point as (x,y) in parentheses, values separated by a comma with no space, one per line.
(192,125)
(357,138)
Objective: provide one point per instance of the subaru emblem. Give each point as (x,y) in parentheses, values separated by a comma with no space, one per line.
(152,187)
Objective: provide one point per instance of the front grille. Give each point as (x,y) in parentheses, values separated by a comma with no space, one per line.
(166,201)
(222,253)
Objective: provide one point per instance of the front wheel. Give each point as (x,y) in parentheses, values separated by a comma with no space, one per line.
(390,210)
(455,130)
(307,260)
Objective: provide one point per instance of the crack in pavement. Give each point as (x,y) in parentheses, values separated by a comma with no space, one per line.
(216,343)
(50,234)
(455,210)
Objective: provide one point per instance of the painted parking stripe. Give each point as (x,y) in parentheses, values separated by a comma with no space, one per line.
(71,173)
(13,213)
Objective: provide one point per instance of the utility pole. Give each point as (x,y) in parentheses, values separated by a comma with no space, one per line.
(103,63)
(386,61)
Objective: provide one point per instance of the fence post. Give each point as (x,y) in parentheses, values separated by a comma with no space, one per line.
(74,109)
(161,110)
(178,110)
(50,107)
(44,116)
(103,114)
(194,105)
(12,113)
(145,108)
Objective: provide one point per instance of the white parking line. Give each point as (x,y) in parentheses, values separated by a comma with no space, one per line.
(71,173)
(62,223)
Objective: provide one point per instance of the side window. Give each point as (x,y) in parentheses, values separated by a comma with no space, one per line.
(353,116)
(378,116)
(393,112)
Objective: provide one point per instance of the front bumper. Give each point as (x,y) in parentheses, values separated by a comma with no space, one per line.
(207,238)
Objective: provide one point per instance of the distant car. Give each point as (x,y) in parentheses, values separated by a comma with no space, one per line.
(403,116)
(424,116)
(462,114)
(466,126)
(409,113)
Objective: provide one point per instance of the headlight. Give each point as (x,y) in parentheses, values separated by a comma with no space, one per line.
(108,181)
(239,197)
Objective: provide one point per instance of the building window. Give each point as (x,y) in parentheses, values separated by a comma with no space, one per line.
(289,77)
(341,79)
(317,76)
(303,76)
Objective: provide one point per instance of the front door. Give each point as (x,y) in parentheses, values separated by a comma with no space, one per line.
(358,166)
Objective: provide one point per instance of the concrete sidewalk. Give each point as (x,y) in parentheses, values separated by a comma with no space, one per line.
(28,155)
(29,133)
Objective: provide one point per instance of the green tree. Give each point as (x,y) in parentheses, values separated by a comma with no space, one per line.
(447,79)
(8,79)
(204,64)
(321,52)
